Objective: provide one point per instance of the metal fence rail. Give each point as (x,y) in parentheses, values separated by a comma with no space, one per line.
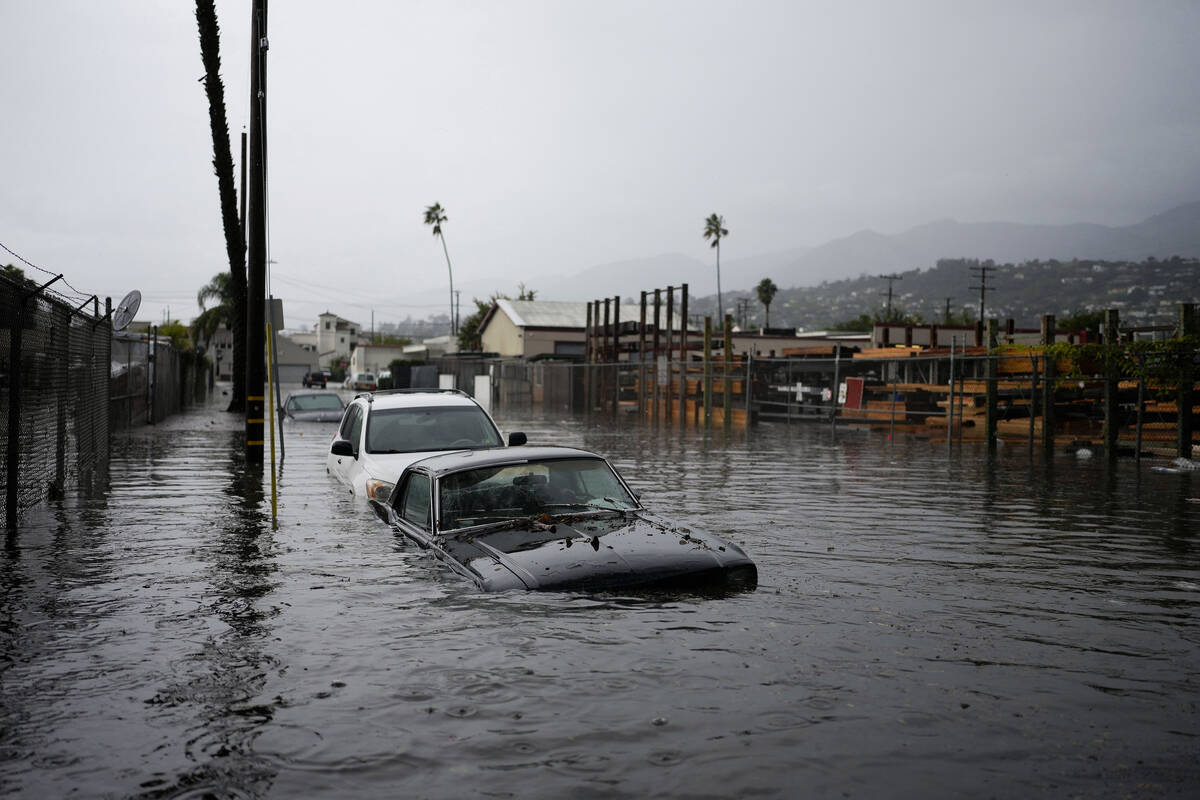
(54,367)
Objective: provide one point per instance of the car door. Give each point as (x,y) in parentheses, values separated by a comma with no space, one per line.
(343,467)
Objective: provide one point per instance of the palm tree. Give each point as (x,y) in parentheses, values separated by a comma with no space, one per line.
(766,290)
(209,319)
(714,228)
(435,215)
(235,241)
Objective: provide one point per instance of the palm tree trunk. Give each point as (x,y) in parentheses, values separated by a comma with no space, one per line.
(453,326)
(210,53)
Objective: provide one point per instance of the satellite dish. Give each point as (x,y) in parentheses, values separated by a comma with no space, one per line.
(123,315)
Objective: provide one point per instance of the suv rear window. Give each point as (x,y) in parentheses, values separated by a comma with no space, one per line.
(416,430)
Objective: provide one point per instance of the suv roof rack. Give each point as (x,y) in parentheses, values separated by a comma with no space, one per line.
(411,390)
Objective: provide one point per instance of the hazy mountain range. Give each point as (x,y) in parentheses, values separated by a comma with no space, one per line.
(1174,232)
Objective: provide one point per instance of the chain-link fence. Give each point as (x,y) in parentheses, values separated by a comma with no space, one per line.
(54,368)
(941,396)
(151,380)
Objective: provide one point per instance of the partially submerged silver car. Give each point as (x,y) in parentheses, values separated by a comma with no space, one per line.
(552,518)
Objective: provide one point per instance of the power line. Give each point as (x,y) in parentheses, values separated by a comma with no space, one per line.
(983,288)
(890,279)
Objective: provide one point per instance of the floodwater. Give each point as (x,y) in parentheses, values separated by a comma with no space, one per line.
(926,625)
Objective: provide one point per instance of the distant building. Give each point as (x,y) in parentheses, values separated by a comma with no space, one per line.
(337,338)
(528,328)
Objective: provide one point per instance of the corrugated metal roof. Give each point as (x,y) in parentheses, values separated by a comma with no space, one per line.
(557,314)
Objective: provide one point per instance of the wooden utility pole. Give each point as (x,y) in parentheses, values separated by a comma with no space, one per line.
(256,224)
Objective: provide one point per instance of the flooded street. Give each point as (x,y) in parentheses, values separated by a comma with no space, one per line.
(924,625)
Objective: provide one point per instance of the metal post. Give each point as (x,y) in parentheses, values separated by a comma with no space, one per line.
(950,403)
(1112,411)
(1185,395)
(273,346)
(708,376)
(728,358)
(588,355)
(683,354)
(992,388)
(892,421)
(836,388)
(654,382)
(1033,381)
(616,354)
(1141,404)
(1049,371)
(642,359)
(152,368)
(670,331)
(749,383)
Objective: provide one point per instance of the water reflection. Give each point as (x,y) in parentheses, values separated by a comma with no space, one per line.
(925,622)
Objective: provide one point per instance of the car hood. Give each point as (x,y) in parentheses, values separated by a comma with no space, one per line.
(624,550)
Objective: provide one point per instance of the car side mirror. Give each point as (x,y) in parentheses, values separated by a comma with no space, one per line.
(342,447)
(380,509)
(517,439)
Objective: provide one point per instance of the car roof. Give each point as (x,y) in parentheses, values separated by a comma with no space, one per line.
(420,398)
(443,463)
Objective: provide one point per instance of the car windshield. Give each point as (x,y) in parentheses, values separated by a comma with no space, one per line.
(315,402)
(554,486)
(416,430)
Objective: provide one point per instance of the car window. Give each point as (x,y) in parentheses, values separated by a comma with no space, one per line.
(347,422)
(415,430)
(356,428)
(473,497)
(351,427)
(315,402)
(416,500)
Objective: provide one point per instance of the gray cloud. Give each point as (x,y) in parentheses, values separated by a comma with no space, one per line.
(564,135)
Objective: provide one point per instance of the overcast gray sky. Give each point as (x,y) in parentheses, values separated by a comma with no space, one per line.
(561,135)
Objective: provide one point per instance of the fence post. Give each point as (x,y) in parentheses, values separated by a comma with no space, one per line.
(670,332)
(992,388)
(152,368)
(1049,374)
(1185,395)
(1112,411)
(708,377)
(749,384)
(641,383)
(683,354)
(728,387)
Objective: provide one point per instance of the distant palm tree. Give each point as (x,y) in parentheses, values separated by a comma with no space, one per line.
(435,215)
(714,228)
(766,290)
(206,323)
(235,287)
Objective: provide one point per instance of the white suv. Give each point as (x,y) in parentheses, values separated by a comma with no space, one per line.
(381,433)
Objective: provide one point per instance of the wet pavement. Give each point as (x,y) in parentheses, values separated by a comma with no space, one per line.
(925,625)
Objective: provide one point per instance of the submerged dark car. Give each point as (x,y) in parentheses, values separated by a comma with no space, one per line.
(314,407)
(552,518)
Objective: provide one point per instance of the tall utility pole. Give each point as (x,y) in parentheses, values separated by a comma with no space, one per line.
(890,279)
(983,270)
(256,271)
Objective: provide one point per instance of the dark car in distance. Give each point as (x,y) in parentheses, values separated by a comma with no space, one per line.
(553,518)
(317,378)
